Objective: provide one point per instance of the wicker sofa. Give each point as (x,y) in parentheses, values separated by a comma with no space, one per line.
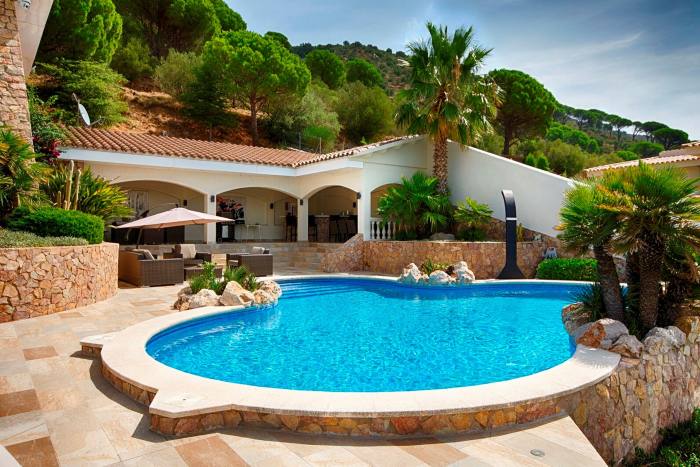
(138,267)
(259,262)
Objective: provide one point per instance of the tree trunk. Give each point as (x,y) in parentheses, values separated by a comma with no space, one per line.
(507,136)
(649,286)
(609,283)
(440,164)
(254,120)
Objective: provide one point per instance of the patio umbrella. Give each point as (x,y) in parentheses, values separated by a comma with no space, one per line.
(173,218)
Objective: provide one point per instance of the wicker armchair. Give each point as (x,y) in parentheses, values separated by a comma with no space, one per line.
(188,252)
(258,264)
(135,268)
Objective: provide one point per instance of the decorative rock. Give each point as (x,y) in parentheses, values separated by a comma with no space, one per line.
(628,346)
(272,288)
(235,295)
(262,297)
(602,334)
(574,316)
(660,340)
(463,275)
(440,278)
(411,275)
(204,297)
(185,291)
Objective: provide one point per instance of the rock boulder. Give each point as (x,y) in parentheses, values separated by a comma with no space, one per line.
(601,334)
(235,295)
(204,297)
(628,346)
(412,275)
(462,273)
(440,278)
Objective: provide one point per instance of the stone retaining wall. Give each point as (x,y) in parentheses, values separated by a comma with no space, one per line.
(40,281)
(14,109)
(486,259)
(643,395)
(348,257)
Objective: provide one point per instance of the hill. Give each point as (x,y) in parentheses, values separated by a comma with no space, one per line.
(392,65)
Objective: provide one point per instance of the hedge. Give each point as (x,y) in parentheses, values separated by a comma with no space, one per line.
(56,222)
(16,239)
(568,269)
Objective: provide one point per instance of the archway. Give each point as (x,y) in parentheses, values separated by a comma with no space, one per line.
(148,197)
(332,214)
(257,214)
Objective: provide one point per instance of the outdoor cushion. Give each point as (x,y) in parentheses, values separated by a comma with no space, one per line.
(258,250)
(145,254)
(187,250)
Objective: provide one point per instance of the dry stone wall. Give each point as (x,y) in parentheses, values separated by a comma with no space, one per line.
(347,258)
(14,109)
(40,281)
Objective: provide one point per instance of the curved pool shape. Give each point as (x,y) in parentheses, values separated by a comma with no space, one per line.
(362,335)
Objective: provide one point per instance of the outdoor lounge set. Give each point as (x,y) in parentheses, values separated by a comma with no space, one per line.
(139,267)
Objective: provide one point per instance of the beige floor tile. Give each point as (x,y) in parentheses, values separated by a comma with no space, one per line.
(334,455)
(431,451)
(16,382)
(61,398)
(22,427)
(35,353)
(209,452)
(256,448)
(129,434)
(84,447)
(287,460)
(555,454)
(490,452)
(385,454)
(37,452)
(167,456)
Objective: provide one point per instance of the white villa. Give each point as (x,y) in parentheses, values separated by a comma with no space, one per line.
(264,189)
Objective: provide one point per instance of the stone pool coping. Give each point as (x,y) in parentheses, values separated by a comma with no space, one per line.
(174,394)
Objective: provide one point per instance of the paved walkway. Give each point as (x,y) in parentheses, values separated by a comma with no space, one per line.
(55,409)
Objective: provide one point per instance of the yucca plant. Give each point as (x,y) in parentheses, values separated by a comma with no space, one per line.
(447,98)
(416,206)
(83,191)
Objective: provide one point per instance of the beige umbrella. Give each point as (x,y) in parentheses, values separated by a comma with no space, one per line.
(173,218)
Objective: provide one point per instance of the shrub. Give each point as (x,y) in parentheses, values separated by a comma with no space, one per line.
(645,148)
(19,173)
(592,299)
(52,222)
(364,112)
(208,280)
(472,217)
(429,266)
(568,269)
(680,446)
(15,239)
(46,133)
(98,87)
(133,59)
(243,276)
(177,72)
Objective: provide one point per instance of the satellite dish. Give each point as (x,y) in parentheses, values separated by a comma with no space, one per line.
(84,115)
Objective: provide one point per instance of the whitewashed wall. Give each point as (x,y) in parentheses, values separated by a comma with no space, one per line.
(482,176)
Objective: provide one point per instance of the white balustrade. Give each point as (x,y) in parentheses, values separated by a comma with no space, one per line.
(378,230)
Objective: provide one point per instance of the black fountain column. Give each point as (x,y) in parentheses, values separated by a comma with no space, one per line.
(511,269)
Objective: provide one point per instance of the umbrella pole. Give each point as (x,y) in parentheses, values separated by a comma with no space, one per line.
(138,238)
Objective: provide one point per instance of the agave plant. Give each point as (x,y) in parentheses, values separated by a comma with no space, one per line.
(416,206)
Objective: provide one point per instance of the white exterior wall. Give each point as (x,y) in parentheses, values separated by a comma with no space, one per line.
(482,176)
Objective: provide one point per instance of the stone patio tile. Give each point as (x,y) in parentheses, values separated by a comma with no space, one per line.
(129,434)
(59,398)
(37,452)
(35,353)
(16,382)
(167,456)
(12,367)
(334,455)
(493,453)
(83,447)
(255,448)
(18,402)
(523,442)
(431,451)
(22,427)
(209,452)
(384,453)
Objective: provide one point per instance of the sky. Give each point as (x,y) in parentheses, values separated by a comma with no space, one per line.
(639,59)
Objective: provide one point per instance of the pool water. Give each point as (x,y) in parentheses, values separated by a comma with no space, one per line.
(364,335)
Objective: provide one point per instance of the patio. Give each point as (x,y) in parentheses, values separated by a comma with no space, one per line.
(57,409)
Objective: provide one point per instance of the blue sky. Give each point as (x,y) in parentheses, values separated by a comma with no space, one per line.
(635,58)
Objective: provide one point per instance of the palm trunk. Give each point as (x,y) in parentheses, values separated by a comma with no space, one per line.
(609,283)
(440,164)
(649,286)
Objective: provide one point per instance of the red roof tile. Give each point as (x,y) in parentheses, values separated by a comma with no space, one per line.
(649,160)
(105,140)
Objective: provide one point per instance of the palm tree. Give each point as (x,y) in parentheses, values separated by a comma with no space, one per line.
(19,173)
(655,208)
(585,224)
(416,206)
(447,99)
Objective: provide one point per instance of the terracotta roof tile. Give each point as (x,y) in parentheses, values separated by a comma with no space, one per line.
(692,144)
(91,138)
(649,160)
(105,140)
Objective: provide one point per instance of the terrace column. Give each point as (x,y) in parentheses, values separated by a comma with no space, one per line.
(210,208)
(364,212)
(303,220)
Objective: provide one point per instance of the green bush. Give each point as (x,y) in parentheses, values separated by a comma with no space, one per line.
(680,446)
(592,299)
(208,280)
(430,266)
(176,73)
(15,239)
(53,222)
(568,269)
(133,59)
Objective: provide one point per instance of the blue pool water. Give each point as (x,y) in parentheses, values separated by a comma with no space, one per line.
(369,335)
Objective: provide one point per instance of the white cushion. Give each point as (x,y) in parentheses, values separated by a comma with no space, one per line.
(187,250)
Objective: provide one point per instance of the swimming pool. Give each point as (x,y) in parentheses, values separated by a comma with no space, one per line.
(364,335)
